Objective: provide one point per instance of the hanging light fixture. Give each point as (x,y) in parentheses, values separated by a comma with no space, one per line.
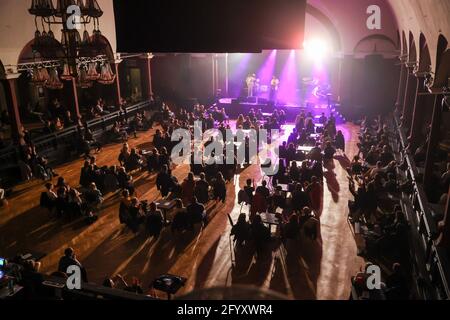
(83,81)
(53,82)
(92,9)
(106,75)
(66,75)
(43,74)
(92,73)
(73,44)
(35,76)
(42,8)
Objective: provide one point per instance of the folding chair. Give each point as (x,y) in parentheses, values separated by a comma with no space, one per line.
(231,242)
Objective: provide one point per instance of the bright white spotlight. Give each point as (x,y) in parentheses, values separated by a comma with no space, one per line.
(316,49)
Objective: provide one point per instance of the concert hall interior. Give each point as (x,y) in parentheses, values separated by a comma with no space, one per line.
(281,149)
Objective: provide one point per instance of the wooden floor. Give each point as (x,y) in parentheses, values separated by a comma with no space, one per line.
(316,270)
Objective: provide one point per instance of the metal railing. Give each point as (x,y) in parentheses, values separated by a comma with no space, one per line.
(49,143)
(437,262)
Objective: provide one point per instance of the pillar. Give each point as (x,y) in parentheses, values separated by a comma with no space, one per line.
(409,99)
(444,225)
(118,93)
(419,109)
(76,104)
(148,75)
(433,141)
(13,106)
(401,87)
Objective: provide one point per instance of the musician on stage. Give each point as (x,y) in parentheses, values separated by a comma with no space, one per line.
(251,81)
(274,86)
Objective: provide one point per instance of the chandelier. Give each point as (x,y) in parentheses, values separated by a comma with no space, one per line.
(73,18)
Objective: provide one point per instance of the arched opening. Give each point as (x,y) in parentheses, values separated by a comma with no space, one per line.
(441,47)
(404,44)
(328,24)
(412,56)
(425,58)
(36,96)
(5,132)
(376,44)
(442,78)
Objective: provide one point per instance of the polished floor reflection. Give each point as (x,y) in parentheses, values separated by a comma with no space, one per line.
(318,269)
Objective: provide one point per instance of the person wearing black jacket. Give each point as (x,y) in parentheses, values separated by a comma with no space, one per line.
(164,181)
(69,259)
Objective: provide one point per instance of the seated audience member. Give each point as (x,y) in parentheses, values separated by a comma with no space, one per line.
(339,141)
(260,234)
(164,182)
(391,184)
(69,259)
(111,183)
(201,189)
(180,219)
(386,156)
(310,224)
(291,229)
(220,188)
(48,198)
(133,161)
(93,196)
(277,200)
(397,285)
(135,216)
(300,198)
(187,189)
(328,152)
(372,156)
(356,167)
(154,221)
(241,230)
(249,190)
(316,153)
(196,212)
(3,200)
(125,204)
(125,180)
(263,190)
(315,191)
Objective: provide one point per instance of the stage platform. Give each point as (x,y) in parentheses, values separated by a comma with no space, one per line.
(235,107)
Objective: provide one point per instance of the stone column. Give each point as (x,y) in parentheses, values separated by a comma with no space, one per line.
(419,109)
(410,96)
(118,93)
(13,106)
(148,75)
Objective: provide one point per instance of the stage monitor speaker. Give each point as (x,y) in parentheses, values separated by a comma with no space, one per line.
(263,101)
(251,100)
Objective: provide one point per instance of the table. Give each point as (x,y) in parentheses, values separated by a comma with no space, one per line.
(304,149)
(284,187)
(169,284)
(165,206)
(5,292)
(270,219)
(299,163)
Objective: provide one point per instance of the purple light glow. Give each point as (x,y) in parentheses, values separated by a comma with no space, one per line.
(239,72)
(289,81)
(267,70)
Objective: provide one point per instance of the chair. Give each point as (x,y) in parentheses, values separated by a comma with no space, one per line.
(231,242)
(243,199)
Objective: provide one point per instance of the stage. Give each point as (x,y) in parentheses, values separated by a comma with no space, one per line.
(235,107)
